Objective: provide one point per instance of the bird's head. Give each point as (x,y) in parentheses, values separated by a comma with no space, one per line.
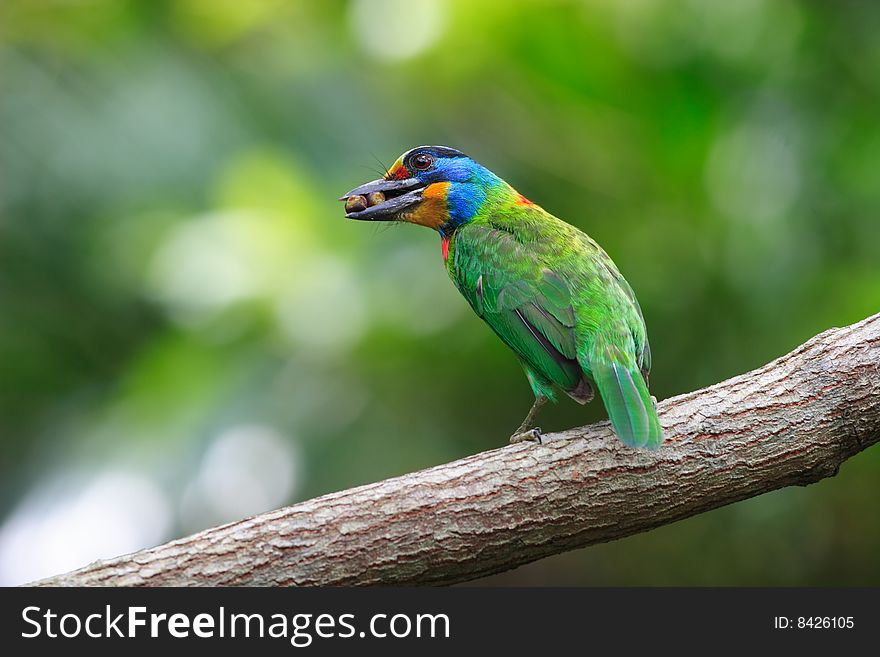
(432,186)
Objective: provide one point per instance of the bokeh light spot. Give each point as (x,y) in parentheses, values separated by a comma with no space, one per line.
(248,469)
(62,526)
(396,29)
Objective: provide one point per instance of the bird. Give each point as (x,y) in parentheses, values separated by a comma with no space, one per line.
(547,289)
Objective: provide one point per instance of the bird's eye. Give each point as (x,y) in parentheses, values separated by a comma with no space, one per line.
(422,161)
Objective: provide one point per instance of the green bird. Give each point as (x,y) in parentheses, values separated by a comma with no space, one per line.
(547,289)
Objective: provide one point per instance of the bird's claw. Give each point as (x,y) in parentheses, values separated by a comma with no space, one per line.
(654,402)
(532,435)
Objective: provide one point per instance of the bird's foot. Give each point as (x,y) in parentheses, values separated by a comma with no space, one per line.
(530,435)
(654,402)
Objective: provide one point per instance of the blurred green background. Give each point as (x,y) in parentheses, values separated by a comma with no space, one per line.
(191,332)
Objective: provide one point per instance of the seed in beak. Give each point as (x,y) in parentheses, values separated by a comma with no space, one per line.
(356,203)
(375,198)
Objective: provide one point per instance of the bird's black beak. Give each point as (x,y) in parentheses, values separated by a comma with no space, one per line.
(394,196)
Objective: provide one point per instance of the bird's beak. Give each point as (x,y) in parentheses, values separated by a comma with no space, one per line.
(398,196)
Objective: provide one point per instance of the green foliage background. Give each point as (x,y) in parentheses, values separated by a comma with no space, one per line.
(178,284)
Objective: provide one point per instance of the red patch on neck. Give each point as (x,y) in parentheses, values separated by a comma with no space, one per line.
(522,200)
(444,248)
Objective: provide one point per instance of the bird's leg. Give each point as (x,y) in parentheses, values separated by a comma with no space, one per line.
(527,430)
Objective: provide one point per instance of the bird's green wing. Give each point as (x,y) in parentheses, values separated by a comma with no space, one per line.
(527,304)
(642,345)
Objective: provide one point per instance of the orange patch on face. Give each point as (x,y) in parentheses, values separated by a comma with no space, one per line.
(433,211)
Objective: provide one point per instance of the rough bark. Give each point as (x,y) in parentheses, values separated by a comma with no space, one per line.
(791,422)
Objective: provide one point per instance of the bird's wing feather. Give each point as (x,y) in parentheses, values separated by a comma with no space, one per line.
(643,346)
(524,302)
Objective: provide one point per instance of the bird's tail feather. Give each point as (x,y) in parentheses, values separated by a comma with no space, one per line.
(626,396)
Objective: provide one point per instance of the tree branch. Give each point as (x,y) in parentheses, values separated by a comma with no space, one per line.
(791,422)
